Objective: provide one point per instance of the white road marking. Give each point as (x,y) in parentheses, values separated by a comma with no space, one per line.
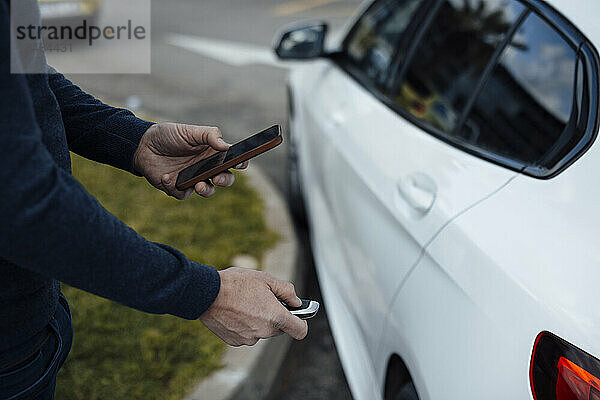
(232,53)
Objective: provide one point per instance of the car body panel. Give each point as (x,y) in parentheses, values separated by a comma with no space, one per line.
(494,278)
(353,156)
(455,346)
(583,14)
(349,341)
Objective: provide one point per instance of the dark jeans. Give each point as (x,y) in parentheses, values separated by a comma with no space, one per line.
(29,371)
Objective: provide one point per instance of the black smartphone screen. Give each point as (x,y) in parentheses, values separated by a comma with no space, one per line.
(234,151)
(251,143)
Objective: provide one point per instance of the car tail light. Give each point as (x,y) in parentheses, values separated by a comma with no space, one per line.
(575,382)
(561,371)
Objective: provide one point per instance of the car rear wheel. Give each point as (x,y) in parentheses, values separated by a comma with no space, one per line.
(295,199)
(398,382)
(406,392)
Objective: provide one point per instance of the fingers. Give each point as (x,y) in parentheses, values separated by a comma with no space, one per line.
(285,321)
(179,195)
(224,179)
(243,165)
(246,342)
(284,291)
(187,194)
(169,187)
(204,189)
(292,325)
(241,341)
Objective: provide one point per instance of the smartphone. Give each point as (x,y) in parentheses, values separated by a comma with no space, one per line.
(222,161)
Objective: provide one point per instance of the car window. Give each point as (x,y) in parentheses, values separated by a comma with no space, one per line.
(450,59)
(526,104)
(371,46)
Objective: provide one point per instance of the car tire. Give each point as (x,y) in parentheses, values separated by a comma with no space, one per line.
(398,382)
(406,392)
(295,197)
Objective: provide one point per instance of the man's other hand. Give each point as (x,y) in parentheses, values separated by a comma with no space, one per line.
(247,308)
(167,148)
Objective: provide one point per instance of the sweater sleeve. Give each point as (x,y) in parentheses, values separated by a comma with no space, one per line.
(52,226)
(95,130)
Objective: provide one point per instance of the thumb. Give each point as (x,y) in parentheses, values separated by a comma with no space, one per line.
(212,136)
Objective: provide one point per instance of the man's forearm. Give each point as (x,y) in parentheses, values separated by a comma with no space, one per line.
(96,130)
(52,226)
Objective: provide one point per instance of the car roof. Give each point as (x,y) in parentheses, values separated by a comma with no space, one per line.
(584,14)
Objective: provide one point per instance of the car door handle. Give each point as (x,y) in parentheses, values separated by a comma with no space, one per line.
(418,191)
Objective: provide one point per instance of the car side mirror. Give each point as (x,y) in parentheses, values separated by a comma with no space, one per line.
(302,43)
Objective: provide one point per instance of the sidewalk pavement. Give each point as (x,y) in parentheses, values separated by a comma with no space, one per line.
(250,371)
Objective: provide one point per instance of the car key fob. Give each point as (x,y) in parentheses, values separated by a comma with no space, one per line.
(308,309)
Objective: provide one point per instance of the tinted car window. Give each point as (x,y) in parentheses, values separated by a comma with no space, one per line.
(451,57)
(526,104)
(374,40)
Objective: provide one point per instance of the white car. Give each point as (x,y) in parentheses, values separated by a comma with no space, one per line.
(444,152)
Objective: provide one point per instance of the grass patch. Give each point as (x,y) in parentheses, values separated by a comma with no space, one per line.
(119,353)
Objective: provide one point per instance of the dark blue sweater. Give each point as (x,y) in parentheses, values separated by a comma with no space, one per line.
(52,230)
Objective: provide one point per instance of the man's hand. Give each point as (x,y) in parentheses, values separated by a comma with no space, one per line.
(167,148)
(247,308)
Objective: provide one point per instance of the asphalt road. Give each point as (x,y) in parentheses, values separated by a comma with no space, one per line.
(311,370)
(240,98)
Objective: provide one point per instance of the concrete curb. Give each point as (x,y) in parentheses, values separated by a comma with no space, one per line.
(249,371)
